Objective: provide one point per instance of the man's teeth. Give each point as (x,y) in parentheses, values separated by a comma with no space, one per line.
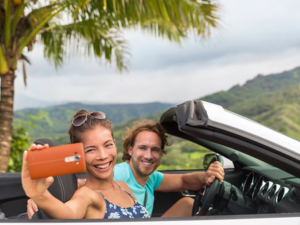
(148,164)
(103,167)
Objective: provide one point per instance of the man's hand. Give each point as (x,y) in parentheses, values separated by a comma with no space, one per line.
(191,181)
(80,182)
(215,170)
(31,208)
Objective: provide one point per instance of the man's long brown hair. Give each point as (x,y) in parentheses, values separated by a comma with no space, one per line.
(139,126)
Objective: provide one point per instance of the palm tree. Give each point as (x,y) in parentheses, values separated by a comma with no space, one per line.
(87,27)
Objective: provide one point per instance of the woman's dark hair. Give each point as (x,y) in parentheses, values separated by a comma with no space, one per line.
(89,124)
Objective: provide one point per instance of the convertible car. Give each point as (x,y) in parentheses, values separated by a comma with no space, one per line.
(262,186)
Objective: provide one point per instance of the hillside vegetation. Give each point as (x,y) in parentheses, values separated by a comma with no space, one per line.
(272,100)
(259,87)
(60,116)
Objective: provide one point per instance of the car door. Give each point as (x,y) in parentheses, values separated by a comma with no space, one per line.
(13,200)
(192,152)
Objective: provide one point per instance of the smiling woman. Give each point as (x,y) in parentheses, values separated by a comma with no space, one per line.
(101,196)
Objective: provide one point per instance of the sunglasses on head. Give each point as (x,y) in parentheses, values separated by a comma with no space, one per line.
(80,119)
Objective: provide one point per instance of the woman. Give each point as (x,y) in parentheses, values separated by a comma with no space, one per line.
(101,196)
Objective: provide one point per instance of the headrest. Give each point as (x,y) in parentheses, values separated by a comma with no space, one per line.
(43,141)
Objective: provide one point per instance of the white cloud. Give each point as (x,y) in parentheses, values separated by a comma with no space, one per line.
(174,84)
(258,37)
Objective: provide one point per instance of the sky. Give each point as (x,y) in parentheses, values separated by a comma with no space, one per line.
(255,37)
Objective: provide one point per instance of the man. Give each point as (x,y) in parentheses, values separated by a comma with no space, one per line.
(143,149)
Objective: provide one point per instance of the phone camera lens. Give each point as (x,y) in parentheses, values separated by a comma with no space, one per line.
(77,157)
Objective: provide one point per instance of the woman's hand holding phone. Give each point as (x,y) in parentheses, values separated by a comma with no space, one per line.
(40,165)
(34,187)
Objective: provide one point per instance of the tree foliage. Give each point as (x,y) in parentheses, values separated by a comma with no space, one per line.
(20,143)
(21,139)
(68,27)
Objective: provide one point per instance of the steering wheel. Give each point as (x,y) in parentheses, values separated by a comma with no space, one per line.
(206,198)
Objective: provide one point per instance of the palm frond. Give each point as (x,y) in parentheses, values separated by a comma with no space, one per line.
(3,63)
(24,59)
(93,27)
(87,37)
(35,21)
(182,15)
(17,15)
(7,7)
(24,73)
(96,24)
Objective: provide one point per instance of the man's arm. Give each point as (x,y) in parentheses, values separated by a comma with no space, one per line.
(191,181)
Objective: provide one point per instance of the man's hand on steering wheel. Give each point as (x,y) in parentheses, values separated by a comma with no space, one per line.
(215,170)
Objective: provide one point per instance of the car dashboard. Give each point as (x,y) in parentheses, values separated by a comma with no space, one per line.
(272,190)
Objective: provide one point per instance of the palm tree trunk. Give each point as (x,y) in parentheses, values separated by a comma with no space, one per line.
(6,117)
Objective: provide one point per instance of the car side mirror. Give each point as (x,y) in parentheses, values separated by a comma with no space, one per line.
(207,158)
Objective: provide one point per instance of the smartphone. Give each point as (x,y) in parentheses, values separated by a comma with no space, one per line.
(56,161)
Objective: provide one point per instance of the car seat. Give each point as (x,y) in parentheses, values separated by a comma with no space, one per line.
(62,188)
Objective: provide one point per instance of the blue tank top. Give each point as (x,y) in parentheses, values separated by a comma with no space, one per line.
(116,212)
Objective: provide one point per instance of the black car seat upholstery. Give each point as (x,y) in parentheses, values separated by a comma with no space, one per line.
(62,188)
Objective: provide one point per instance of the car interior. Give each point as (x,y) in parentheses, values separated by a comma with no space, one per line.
(259,182)
(252,187)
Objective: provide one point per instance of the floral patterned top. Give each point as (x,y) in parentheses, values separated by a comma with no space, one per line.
(116,212)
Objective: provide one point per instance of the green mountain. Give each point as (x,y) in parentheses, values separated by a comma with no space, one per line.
(255,89)
(272,100)
(61,115)
(284,118)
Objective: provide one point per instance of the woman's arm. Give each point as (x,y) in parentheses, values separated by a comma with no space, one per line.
(32,207)
(74,209)
(52,207)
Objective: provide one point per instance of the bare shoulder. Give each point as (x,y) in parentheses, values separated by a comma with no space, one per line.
(87,203)
(89,196)
(83,189)
(125,187)
(85,193)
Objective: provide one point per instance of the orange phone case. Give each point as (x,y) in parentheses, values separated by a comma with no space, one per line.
(55,161)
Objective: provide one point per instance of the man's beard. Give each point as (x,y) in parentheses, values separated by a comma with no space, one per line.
(142,173)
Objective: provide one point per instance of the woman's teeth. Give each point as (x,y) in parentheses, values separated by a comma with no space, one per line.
(104,166)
